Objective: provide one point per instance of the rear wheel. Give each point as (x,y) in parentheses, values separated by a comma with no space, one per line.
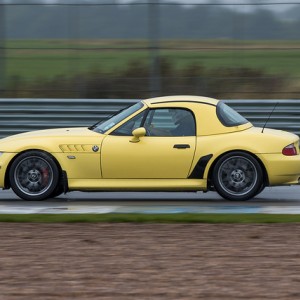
(237,176)
(34,175)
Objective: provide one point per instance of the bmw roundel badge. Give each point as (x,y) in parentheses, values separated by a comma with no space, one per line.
(95,148)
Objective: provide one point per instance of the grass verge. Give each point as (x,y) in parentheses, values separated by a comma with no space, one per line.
(150,218)
(36,59)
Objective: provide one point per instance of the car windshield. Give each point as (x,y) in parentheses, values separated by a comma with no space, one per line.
(115,119)
(228,116)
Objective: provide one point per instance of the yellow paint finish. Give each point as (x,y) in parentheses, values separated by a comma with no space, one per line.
(151,157)
(153,163)
(5,158)
(79,160)
(209,124)
(152,102)
(61,143)
(204,109)
(138,184)
(85,165)
(50,140)
(281,169)
(253,141)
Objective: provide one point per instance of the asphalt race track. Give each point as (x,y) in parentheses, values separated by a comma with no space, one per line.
(276,200)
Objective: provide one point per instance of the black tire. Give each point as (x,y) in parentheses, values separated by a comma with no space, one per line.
(237,176)
(260,189)
(34,176)
(58,191)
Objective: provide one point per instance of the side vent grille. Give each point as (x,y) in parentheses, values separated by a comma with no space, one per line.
(77,148)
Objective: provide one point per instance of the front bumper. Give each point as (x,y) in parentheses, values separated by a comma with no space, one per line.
(5,159)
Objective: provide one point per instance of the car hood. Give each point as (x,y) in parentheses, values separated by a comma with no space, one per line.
(76,131)
(50,140)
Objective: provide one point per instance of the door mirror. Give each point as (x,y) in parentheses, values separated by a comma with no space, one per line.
(137,134)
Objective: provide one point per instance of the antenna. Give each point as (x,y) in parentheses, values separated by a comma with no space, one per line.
(269,117)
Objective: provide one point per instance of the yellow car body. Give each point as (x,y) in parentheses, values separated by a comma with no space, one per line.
(139,150)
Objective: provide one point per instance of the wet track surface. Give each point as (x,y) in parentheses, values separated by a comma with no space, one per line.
(277,200)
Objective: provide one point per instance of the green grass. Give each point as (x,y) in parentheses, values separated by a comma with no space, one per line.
(150,218)
(49,58)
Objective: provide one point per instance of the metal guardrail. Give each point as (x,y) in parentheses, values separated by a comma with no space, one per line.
(21,115)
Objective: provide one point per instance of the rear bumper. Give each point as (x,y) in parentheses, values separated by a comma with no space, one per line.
(282,170)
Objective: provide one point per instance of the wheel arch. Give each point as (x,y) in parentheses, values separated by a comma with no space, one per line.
(7,184)
(212,166)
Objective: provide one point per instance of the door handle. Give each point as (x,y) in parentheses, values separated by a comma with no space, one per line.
(181,146)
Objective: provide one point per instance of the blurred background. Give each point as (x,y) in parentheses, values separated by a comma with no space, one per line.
(136,49)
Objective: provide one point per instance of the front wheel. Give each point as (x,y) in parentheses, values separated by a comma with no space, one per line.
(34,176)
(237,176)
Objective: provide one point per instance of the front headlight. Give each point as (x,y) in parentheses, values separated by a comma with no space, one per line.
(1,153)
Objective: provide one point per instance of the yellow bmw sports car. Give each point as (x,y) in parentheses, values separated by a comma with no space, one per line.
(178,143)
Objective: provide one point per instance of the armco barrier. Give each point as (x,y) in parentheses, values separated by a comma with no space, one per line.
(21,115)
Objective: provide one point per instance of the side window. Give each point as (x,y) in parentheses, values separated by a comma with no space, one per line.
(127,128)
(170,122)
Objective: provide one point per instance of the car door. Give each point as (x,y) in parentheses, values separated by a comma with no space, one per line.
(166,152)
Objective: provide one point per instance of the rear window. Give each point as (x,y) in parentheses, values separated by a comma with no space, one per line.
(228,116)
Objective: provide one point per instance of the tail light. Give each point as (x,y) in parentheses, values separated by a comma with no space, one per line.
(289,150)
